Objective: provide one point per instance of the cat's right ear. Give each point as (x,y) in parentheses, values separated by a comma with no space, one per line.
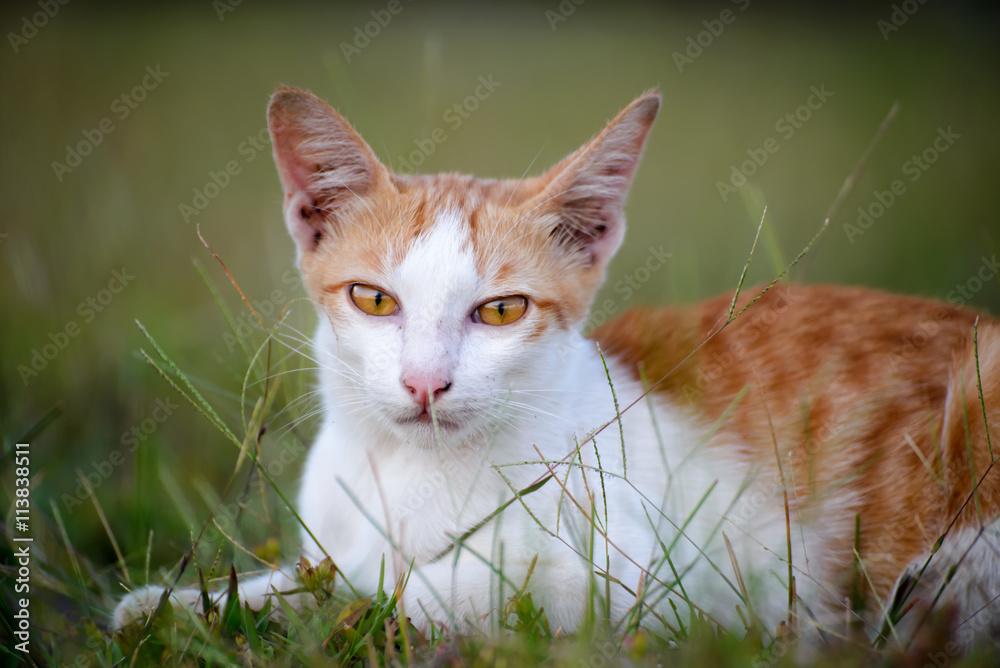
(324,164)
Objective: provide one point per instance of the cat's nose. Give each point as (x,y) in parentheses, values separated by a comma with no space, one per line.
(422,387)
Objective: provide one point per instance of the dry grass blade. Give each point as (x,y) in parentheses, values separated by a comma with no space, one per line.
(104,523)
(979,385)
(792,617)
(748,623)
(232,280)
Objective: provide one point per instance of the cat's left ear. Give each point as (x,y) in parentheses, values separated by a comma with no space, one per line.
(324,165)
(586,191)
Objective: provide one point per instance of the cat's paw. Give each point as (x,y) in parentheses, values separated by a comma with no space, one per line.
(137,605)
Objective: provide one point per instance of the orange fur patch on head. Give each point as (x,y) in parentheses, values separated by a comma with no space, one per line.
(350,215)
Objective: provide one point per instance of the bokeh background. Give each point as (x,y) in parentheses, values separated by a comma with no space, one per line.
(560,71)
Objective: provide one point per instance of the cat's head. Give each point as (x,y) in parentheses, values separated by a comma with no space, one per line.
(447,290)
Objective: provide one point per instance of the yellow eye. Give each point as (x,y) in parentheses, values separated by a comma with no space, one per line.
(372,300)
(502,311)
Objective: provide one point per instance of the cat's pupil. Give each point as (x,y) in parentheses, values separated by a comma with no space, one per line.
(500,309)
(378,299)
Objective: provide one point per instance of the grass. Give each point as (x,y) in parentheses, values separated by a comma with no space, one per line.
(346,628)
(100,517)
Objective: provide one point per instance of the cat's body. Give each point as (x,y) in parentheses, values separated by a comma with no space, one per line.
(440,405)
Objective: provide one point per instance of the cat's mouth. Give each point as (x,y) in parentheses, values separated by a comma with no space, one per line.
(424,419)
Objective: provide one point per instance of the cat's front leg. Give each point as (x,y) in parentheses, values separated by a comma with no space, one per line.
(139,604)
(473,591)
(455,595)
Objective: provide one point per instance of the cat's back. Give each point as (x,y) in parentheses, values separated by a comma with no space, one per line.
(795,340)
(871,399)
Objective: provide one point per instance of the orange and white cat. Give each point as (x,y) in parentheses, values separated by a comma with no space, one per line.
(454,374)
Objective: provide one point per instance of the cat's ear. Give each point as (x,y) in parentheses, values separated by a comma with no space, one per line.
(323,163)
(586,191)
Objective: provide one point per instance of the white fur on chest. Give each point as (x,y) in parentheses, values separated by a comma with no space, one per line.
(415,501)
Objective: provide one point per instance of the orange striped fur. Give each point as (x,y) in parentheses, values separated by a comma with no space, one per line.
(851,382)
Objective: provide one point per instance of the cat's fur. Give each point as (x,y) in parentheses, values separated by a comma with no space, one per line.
(869,401)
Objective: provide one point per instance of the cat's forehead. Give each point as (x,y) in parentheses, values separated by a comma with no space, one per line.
(463,191)
(479,204)
(440,267)
(438,215)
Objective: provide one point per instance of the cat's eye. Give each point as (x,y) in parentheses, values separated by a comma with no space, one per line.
(502,311)
(372,300)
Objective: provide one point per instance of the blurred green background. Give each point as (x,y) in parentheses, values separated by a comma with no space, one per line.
(561,75)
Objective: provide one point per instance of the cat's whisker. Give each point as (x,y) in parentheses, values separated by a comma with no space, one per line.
(347,371)
(519,181)
(298,349)
(302,336)
(526,408)
(277,374)
(302,340)
(541,397)
(297,402)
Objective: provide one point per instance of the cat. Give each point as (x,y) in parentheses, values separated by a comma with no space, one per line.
(456,382)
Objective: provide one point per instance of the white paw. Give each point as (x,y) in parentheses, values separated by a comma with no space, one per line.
(137,605)
(140,604)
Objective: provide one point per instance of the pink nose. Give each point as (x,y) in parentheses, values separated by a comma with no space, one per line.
(421,387)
